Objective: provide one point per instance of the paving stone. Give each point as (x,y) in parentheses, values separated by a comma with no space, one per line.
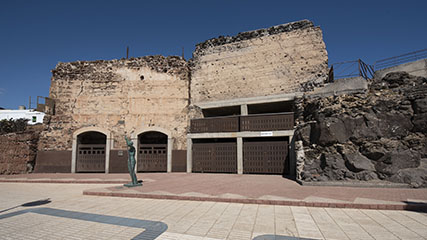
(351,228)
(284,221)
(327,226)
(369,225)
(305,224)
(189,219)
(392,225)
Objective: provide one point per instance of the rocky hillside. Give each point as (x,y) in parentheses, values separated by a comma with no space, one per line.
(377,135)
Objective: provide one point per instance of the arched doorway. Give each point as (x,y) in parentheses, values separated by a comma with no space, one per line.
(91,152)
(152,152)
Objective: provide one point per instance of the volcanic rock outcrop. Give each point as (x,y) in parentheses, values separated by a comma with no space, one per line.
(376,135)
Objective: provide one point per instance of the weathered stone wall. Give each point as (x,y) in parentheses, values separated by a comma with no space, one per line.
(281,59)
(376,135)
(120,96)
(18,151)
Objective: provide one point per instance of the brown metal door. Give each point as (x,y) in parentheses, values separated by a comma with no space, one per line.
(215,157)
(265,157)
(90,158)
(152,158)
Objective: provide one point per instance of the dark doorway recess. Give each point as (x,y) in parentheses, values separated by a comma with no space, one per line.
(91,147)
(152,152)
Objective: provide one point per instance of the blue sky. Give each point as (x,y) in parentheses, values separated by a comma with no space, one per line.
(36,35)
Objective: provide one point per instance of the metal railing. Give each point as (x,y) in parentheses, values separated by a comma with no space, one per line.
(256,122)
(397,60)
(356,68)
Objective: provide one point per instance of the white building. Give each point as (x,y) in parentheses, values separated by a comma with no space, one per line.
(33,116)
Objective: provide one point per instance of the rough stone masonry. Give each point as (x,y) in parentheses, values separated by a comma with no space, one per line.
(122,96)
(282,59)
(119,96)
(18,150)
(376,135)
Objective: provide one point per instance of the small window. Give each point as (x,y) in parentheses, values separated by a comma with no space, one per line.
(34,119)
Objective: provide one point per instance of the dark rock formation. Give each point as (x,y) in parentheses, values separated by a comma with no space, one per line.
(380,134)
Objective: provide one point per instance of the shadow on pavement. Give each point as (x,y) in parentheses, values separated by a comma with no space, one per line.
(153,229)
(37,203)
(416,206)
(29,204)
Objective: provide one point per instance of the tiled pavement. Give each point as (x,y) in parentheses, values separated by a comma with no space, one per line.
(259,189)
(67,178)
(70,215)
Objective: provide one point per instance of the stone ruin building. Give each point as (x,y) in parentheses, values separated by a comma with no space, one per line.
(223,111)
(248,103)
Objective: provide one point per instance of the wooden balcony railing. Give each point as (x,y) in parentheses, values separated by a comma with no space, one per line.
(264,122)
(215,124)
(259,122)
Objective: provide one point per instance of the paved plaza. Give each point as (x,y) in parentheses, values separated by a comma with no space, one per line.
(61,211)
(246,188)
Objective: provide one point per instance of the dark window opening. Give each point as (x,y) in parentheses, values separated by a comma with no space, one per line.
(215,140)
(153,138)
(265,139)
(223,111)
(274,107)
(92,138)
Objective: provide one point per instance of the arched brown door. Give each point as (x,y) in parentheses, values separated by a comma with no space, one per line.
(91,147)
(152,152)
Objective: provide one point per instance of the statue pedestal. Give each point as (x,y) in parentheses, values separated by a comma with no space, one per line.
(132,185)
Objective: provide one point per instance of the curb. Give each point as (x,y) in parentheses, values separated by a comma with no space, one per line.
(63,181)
(406,206)
(358,184)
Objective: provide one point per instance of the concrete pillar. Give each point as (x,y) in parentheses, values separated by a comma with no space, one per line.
(244,109)
(74,156)
(107,154)
(169,163)
(189,155)
(239,155)
(292,158)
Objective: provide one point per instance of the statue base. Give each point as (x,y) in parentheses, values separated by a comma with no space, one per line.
(132,185)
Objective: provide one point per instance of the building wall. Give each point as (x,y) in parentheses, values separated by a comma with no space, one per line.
(416,68)
(280,59)
(120,96)
(26,114)
(18,151)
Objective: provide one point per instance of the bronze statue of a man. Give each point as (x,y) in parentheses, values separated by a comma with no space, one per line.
(131,164)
